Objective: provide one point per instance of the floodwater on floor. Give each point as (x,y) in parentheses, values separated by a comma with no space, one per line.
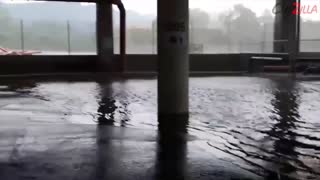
(266,126)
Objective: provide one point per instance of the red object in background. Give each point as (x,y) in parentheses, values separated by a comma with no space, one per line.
(5,51)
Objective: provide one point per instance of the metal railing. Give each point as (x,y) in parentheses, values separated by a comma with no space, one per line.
(262,46)
(72,42)
(61,38)
(310,46)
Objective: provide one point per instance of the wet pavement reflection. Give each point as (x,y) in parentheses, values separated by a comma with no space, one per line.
(172,149)
(239,127)
(284,154)
(107,107)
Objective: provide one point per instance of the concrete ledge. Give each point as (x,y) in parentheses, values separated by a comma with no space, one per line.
(45,64)
(90,76)
(135,63)
(198,62)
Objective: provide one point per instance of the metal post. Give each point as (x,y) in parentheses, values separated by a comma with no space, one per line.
(123,29)
(153,37)
(263,38)
(298,37)
(68,38)
(22,35)
(228,35)
(191,36)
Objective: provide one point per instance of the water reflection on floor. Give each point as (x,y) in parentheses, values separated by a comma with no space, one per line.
(268,127)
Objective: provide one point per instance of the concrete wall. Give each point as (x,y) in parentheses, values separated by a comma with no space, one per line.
(201,62)
(135,63)
(45,64)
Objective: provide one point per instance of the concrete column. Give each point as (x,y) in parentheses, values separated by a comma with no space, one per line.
(173,57)
(104,32)
(285,22)
(293,39)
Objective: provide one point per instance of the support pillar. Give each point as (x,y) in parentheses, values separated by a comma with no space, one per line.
(173,57)
(285,22)
(287,28)
(280,26)
(104,30)
(294,35)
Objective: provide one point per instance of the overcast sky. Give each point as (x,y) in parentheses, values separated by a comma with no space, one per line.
(210,6)
(217,6)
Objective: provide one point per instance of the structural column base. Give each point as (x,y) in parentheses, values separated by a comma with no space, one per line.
(173,116)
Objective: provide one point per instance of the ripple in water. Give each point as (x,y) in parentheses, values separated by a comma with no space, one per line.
(269,127)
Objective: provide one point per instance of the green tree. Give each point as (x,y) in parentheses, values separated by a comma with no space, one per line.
(242,24)
(199,19)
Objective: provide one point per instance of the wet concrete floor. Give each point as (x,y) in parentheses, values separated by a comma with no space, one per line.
(239,128)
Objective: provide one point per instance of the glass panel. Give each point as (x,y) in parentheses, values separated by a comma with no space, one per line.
(231,26)
(216,26)
(141,27)
(310,25)
(47,28)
